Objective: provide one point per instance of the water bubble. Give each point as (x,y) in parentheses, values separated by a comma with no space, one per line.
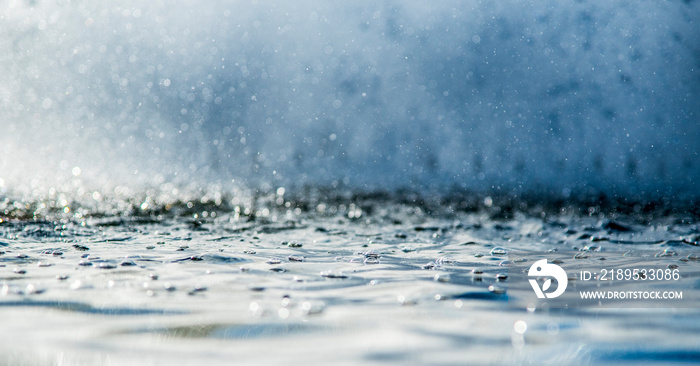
(499,251)
(403,300)
(312,308)
(442,277)
(197,289)
(668,252)
(331,274)
(445,260)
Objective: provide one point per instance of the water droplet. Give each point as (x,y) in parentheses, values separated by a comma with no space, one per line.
(442,278)
(499,251)
(331,274)
(106,265)
(312,308)
(403,300)
(445,260)
(520,327)
(668,252)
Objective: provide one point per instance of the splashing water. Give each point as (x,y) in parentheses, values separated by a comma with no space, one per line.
(260,182)
(557,98)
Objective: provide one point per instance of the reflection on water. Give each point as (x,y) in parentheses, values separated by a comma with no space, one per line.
(397,285)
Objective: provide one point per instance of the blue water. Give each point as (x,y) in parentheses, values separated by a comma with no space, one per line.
(564,98)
